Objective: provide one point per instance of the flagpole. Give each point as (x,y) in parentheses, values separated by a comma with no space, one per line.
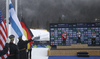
(16,6)
(16,14)
(7,15)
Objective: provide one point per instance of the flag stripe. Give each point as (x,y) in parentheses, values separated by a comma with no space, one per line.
(10,6)
(15,27)
(2,57)
(25,33)
(1,44)
(1,47)
(24,27)
(3,33)
(3,38)
(5,27)
(2,41)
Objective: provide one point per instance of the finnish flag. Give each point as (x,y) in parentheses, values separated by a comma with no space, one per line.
(16,28)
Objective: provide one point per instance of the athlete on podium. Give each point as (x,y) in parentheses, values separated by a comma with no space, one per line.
(64,37)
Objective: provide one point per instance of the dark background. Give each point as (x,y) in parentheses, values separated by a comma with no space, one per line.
(39,13)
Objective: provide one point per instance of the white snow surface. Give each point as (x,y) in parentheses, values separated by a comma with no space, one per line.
(39,53)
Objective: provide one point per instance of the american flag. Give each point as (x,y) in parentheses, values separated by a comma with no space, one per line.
(3,35)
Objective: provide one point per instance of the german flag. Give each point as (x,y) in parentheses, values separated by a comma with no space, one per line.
(28,34)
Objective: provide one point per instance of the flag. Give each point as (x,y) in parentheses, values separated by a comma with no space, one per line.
(16,28)
(27,32)
(3,35)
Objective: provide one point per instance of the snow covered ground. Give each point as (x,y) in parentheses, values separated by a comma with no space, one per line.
(39,53)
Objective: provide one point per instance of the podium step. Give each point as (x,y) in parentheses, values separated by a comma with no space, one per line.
(82,55)
(82,52)
(77,46)
(72,52)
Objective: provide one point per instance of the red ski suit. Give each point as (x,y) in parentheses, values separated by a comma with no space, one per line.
(64,36)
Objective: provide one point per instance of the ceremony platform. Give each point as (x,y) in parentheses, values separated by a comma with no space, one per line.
(73,57)
(73,49)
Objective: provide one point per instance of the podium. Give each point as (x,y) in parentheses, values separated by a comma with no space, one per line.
(73,50)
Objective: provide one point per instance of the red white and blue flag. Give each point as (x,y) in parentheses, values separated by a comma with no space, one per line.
(3,35)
